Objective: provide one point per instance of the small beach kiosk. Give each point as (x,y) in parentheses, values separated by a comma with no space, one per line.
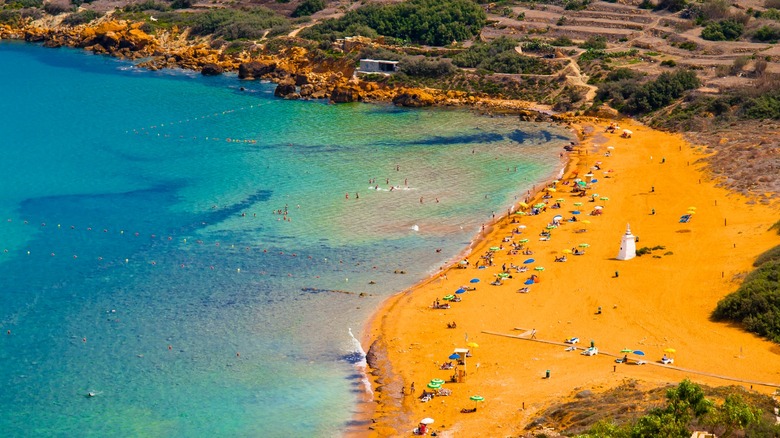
(460,375)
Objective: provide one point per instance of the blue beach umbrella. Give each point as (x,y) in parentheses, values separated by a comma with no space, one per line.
(460,291)
(527,261)
(575,212)
(529,282)
(639,352)
(454,356)
(474,280)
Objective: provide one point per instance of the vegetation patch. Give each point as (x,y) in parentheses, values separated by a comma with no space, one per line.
(233,24)
(630,97)
(499,56)
(756,304)
(433,22)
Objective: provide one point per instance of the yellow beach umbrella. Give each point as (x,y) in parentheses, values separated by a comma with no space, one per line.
(523,205)
(550,189)
(585,221)
(566,251)
(691,212)
(472,345)
(670,350)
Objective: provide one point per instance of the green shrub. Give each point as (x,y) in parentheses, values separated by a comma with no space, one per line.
(182,4)
(688,45)
(767,33)
(81,17)
(148,5)
(622,74)
(562,42)
(432,22)
(629,97)
(597,42)
(427,68)
(232,24)
(308,7)
(10,16)
(724,30)
(55,8)
(671,5)
(668,63)
(21,4)
(770,14)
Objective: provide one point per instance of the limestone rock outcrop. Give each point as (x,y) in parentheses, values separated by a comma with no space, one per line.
(414,99)
(255,69)
(211,69)
(345,94)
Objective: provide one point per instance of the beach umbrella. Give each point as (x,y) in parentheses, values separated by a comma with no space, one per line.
(472,345)
(566,251)
(476,399)
(595,195)
(691,212)
(454,356)
(460,291)
(426,421)
(521,213)
(448,297)
(594,181)
(434,385)
(437,381)
(626,350)
(550,189)
(604,198)
(582,183)
(523,240)
(527,261)
(578,204)
(583,245)
(494,248)
(539,268)
(585,221)
(528,282)
(540,205)
(523,204)
(551,227)
(474,280)
(521,227)
(575,212)
(670,350)
(588,174)
(502,275)
(598,207)
(610,147)
(557,218)
(639,352)
(560,200)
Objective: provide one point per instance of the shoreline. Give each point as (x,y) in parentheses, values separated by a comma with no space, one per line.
(392,412)
(382,376)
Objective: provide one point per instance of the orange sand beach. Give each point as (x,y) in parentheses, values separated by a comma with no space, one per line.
(651,303)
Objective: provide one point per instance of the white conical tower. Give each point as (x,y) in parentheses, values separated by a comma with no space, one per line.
(627,245)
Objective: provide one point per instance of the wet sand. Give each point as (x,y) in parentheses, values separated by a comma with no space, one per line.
(651,303)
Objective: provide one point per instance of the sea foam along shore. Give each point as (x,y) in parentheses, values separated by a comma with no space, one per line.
(651,303)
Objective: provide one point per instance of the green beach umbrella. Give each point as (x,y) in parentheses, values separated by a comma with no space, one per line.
(494,248)
(502,274)
(434,385)
(540,205)
(560,200)
(539,268)
(523,240)
(551,227)
(584,245)
(521,213)
(582,183)
(626,350)
(476,399)
(604,198)
(578,204)
(448,297)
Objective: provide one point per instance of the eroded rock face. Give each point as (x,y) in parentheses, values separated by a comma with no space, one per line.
(211,69)
(255,69)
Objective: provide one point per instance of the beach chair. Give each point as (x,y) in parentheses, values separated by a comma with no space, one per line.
(685,218)
(667,361)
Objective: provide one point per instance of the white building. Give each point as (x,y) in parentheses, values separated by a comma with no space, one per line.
(377,66)
(627,245)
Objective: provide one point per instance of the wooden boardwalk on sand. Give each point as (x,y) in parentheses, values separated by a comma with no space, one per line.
(525,336)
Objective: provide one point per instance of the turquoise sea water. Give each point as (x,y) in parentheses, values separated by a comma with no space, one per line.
(146,256)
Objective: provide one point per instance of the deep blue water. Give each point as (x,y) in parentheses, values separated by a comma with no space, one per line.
(147,257)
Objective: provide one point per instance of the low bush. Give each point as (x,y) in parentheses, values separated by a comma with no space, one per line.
(81,17)
(724,30)
(308,7)
(427,68)
(233,24)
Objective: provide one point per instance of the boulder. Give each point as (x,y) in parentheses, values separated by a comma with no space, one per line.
(414,99)
(344,94)
(211,69)
(307,90)
(255,69)
(285,88)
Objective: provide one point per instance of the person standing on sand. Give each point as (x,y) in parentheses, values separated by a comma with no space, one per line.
(533,333)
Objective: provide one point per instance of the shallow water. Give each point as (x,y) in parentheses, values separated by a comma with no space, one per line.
(144,258)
